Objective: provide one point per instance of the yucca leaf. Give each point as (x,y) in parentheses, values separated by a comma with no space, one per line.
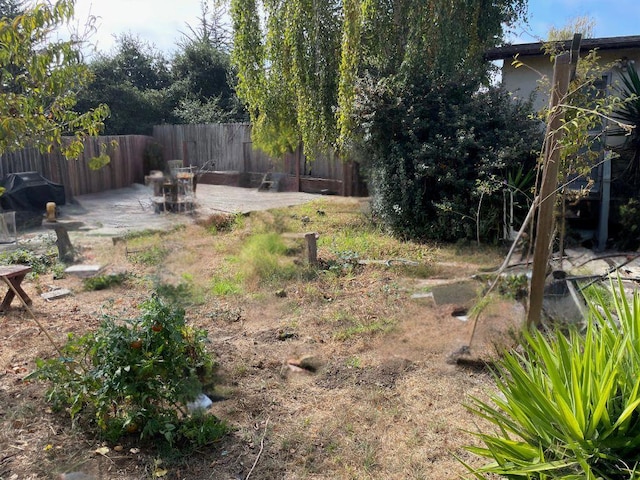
(601,406)
(624,416)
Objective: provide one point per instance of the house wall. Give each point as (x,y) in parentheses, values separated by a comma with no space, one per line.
(528,80)
(532,81)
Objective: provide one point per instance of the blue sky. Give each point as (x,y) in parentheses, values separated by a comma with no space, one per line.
(613,18)
(161,21)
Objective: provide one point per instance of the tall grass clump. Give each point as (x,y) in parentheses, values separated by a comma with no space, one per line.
(263,258)
(567,404)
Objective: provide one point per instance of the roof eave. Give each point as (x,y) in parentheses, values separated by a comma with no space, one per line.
(535,49)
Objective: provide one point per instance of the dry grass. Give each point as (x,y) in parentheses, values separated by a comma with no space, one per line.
(383,405)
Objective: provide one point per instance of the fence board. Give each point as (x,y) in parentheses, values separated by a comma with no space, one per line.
(124,169)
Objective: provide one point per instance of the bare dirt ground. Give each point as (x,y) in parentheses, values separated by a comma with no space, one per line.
(382,404)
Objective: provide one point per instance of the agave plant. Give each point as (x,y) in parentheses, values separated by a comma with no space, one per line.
(629,114)
(567,406)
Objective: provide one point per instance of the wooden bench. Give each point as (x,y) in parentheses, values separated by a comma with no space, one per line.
(13,275)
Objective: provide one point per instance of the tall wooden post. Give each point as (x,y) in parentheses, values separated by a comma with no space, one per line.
(560,86)
(298,161)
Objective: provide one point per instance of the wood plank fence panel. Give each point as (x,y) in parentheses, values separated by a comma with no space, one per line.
(124,169)
(229,147)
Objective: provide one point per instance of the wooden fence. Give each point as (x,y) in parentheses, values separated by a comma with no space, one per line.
(214,147)
(228,147)
(124,169)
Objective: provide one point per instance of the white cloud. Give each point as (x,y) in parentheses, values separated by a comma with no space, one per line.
(157,21)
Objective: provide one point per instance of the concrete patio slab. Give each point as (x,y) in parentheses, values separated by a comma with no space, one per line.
(116,212)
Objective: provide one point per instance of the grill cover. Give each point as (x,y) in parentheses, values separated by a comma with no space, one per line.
(27,193)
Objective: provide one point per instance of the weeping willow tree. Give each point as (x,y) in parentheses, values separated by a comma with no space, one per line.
(287,56)
(385,82)
(299,61)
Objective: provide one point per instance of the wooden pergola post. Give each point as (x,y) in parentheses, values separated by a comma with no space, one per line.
(560,86)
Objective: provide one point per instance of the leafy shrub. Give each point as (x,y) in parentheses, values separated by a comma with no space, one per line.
(567,406)
(345,263)
(136,377)
(438,150)
(102,282)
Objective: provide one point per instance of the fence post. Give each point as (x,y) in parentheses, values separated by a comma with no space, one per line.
(560,86)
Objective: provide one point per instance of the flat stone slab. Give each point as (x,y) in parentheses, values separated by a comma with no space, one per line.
(84,271)
(458,293)
(53,294)
(423,297)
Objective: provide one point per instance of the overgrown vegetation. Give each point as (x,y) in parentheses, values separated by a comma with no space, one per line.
(102,282)
(566,405)
(357,322)
(400,97)
(440,156)
(40,263)
(262,259)
(41,76)
(136,377)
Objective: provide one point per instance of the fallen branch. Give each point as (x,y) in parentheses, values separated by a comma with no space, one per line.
(501,269)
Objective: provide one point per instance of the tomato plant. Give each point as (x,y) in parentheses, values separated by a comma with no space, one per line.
(136,377)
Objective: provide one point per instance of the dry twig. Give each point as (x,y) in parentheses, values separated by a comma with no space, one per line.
(266,423)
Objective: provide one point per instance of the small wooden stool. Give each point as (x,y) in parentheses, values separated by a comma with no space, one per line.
(13,275)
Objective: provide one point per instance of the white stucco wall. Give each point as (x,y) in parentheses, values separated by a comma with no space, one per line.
(528,79)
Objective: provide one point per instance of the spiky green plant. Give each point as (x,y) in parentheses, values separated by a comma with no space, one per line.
(629,114)
(567,405)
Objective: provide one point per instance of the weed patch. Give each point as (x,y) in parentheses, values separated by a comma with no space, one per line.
(226,286)
(262,259)
(40,263)
(360,327)
(150,256)
(103,282)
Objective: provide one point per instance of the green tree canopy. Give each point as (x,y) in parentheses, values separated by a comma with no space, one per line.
(39,81)
(298,62)
(288,72)
(143,88)
(11,8)
(132,80)
(203,84)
